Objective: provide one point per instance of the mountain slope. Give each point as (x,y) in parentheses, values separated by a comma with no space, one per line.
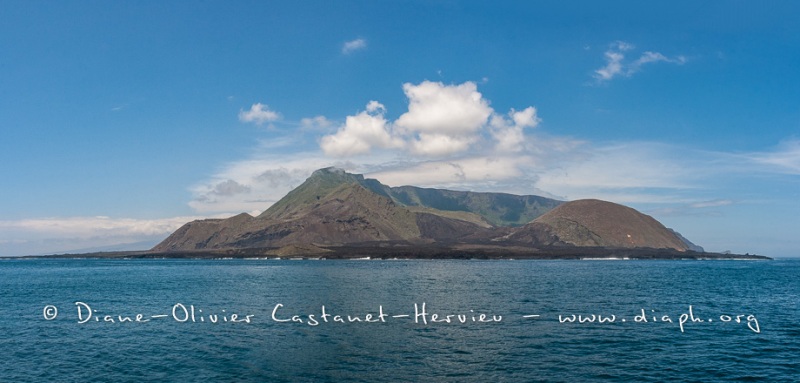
(205,234)
(347,213)
(305,197)
(599,223)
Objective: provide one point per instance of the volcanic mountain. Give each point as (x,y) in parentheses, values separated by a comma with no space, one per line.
(333,208)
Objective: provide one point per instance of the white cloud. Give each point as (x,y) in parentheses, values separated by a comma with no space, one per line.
(258,114)
(374,107)
(360,133)
(435,108)
(526,118)
(354,45)
(509,139)
(442,120)
(617,66)
(652,57)
(509,135)
(437,144)
(613,66)
(649,57)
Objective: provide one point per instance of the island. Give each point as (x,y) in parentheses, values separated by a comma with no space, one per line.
(338,215)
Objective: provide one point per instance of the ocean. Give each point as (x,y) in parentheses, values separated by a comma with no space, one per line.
(169,320)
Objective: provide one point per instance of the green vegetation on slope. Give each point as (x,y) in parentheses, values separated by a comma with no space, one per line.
(498,209)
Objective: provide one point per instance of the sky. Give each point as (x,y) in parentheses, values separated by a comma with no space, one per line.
(121,121)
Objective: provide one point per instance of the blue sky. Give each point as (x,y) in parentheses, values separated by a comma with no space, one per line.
(120,121)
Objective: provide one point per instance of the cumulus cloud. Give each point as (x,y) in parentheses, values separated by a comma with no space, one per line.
(444,109)
(442,120)
(360,133)
(354,45)
(617,66)
(509,135)
(526,118)
(258,114)
(375,107)
(435,144)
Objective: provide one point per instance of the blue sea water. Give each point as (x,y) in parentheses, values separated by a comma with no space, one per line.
(703,321)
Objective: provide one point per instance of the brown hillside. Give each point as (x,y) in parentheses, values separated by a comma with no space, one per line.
(347,214)
(593,222)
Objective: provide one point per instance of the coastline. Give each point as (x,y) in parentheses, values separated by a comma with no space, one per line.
(388,251)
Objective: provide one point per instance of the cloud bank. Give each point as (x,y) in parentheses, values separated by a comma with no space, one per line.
(62,234)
